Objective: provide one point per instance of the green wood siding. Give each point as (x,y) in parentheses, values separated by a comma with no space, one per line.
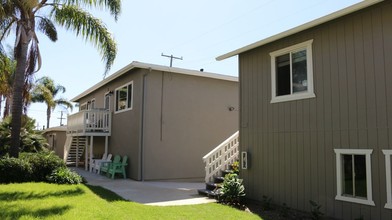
(291,143)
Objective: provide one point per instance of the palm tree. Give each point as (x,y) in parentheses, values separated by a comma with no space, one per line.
(7,69)
(45,91)
(27,17)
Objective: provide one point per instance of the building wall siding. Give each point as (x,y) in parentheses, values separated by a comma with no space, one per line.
(291,143)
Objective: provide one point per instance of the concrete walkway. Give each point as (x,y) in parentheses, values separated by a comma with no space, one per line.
(149,192)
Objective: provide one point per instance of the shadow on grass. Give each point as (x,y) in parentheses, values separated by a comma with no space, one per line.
(13,212)
(105,193)
(13,196)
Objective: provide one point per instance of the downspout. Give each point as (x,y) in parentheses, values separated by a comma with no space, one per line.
(141,139)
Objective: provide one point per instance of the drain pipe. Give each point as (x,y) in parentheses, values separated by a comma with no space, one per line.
(141,139)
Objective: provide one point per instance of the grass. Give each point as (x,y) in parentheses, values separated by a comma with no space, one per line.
(51,201)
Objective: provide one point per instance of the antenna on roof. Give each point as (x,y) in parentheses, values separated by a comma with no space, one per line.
(171,58)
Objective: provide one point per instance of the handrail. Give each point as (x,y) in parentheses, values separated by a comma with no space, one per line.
(221,157)
(94,120)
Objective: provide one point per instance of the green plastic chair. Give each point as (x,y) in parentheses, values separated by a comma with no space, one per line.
(118,167)
(106,165)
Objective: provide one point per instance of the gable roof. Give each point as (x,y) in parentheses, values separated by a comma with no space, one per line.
(337,14)
(140,65)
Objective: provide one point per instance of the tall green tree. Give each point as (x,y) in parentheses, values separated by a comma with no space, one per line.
(27,17)
(45,91)
(7,69)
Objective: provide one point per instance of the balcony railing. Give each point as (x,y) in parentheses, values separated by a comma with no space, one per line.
(221,157)
(90,122)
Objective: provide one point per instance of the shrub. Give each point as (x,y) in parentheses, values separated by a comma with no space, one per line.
(14,170)
(42,164)
(315,210)
(232,189)
(63,175)
(235,166)
(30,140)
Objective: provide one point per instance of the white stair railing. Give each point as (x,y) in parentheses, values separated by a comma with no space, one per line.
(67,147)
(221,157)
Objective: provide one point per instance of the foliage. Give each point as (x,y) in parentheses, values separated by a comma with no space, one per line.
(25,18)
(14,170)
(267,202)
(45,90)
(31,140)
(232,189)
(235,166)
(51,201)
(63,175)
(36,167)
(42,164)
(7,69)
(315,210)
(285,210)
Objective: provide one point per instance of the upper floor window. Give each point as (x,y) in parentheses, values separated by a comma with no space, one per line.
(354,177)
(292,73)
(124,97)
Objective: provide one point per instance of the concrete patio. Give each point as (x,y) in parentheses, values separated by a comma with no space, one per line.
(149,192)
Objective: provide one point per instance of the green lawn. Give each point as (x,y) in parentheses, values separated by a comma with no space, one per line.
(51,201)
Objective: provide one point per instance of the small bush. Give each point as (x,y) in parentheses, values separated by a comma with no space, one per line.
(232,190)
(63,175)
(235,167)
(315,210)
(14,170)
(42,164)
(30,139)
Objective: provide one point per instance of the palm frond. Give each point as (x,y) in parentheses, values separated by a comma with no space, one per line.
(46,26)
(5,27)
(64,103)
(114,6)
(34,61)
(92,29)
(42,94)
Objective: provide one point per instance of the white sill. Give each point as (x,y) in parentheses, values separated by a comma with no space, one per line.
(124,110)
(356,200)
(388,206)
(293,97)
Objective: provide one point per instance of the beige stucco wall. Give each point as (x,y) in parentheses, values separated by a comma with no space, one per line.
(124,139)
(56,140)
(185,118)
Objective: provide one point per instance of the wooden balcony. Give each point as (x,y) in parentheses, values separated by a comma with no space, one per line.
(94,122)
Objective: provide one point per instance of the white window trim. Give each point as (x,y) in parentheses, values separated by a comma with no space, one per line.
(309,63)
(115,99)
(83,104)
(388,154)
(110,100)
(91,104)
(339,196)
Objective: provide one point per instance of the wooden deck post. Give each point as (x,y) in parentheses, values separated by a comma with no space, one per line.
(106,144)
(91,153)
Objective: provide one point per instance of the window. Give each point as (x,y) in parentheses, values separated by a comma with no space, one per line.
(124,97)
(292,73)
(107,101)
(388,154)
(83,106)
(353,170)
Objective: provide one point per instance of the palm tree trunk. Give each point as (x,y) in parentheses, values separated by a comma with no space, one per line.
(48,111)
(17,99)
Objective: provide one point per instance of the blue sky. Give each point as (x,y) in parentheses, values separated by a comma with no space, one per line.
(198,31)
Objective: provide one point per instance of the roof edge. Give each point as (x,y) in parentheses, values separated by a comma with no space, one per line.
(345,11)
(140,65)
